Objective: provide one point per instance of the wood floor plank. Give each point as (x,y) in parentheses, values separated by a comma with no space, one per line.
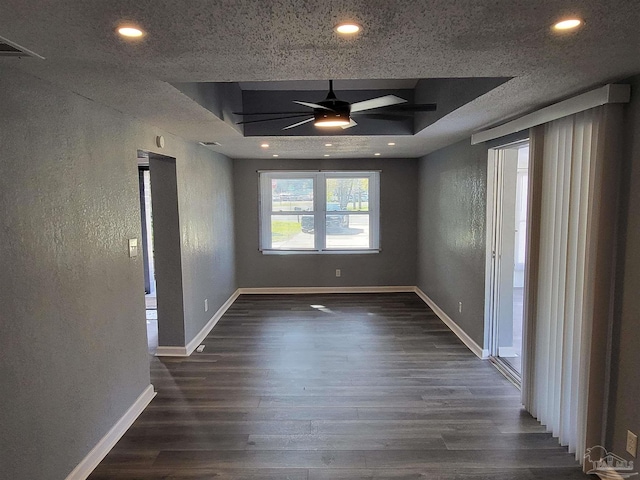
(451,473)
(221,427)
(371,387)
(509,441)
(168,414)
(205,474)
(401,428)
(486,458)
(344,442)
(261,459)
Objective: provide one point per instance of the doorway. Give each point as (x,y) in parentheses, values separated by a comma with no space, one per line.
(507,202)
(146,218)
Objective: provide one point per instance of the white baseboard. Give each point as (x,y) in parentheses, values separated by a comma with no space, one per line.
(197,340)
(202,334)
(171,352)
(461,334)
(104,446)
(311,290)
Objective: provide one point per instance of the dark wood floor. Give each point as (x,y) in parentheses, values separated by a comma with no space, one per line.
(320,387)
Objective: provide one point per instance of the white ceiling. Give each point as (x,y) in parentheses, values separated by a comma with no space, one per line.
(275,40)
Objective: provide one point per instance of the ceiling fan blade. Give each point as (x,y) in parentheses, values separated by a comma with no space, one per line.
(385,116)
(413,107)
(272,119)
(352,123)
(312,105)
(300,123)
(269,113)
(379,102)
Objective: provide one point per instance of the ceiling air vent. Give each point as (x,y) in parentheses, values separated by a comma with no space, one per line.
(11,49)
(210,144)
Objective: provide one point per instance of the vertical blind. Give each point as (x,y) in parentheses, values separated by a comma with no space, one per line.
(556,382)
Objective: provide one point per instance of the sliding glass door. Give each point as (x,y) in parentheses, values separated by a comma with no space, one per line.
(507,251)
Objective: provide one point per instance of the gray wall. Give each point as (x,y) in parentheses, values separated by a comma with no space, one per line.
(395,265)
(167,251)
(451,232)
(205,190)
(625,391)
(72,328)
(193,240)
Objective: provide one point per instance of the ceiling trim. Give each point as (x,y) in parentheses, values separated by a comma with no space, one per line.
(611,93)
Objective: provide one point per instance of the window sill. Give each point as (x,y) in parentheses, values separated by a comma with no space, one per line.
(321,252)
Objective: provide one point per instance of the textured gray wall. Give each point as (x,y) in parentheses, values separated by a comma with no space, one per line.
(193,240)
(72,328)
(625,392)
(205,189)
(166,250)
(395,265)
(451,233)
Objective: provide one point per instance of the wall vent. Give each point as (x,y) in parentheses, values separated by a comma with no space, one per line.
(11,49)
(210,144)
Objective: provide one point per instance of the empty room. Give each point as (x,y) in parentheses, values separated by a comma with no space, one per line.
(319,240)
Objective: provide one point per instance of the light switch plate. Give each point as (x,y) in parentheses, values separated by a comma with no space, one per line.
(133,247)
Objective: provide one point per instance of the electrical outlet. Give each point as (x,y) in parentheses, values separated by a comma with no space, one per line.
(460,307)
(632,443)
(338,272)
(206,304)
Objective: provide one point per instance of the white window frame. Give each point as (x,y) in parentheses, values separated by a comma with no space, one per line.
(319,210)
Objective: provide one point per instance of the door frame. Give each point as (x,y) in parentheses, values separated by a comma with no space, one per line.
(492,257)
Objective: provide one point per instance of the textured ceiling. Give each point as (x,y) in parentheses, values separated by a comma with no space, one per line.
(268,40)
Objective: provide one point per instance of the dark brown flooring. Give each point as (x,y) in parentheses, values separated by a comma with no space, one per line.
(311,387)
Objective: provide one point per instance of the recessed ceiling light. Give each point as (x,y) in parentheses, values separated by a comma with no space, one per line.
(328,144)
(326,154)
(377,154)
(275,155)
(348,28)
(131,32)
(568,24)
(391,144)
(265,145)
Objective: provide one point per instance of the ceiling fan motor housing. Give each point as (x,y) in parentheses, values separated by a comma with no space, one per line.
(339,110)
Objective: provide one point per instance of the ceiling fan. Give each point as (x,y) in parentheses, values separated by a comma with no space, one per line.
(332,112)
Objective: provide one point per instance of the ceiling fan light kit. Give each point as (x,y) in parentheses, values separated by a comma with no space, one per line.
(331,119)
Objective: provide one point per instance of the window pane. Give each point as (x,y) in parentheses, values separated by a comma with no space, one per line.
(291,194)
(350,194)
(345,232)
(287,232)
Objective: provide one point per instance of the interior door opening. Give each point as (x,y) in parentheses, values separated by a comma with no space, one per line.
(146,214)
(506,253)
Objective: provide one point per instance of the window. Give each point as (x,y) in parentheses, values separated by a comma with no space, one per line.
(319,212)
